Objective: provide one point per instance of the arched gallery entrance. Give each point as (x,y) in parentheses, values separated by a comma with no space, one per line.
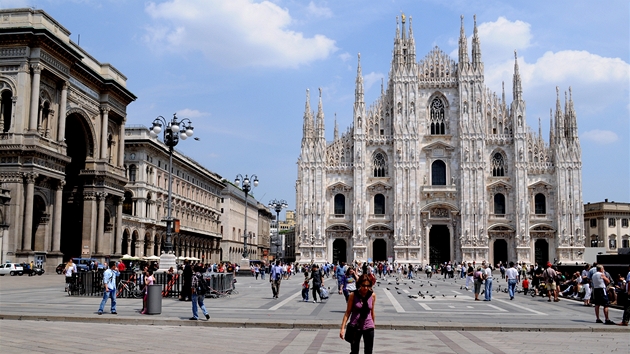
(500,253)
(541,252)
(78,145)
(339,251)
(439,244)
(379,250)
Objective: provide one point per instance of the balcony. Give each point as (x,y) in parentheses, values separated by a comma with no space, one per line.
(382,218)
(339,218)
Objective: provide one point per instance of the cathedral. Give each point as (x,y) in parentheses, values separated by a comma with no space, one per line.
(440,168)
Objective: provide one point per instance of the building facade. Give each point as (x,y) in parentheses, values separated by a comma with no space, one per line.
(440,168)
(196,201)
(62,119)
(606,224)
(258,226)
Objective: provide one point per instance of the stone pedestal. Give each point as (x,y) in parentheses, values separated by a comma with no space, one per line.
(244,264)
(167,260)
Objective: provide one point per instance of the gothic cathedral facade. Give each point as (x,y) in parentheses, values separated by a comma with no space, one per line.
(440,169)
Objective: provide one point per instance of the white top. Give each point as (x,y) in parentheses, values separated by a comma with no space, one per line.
(488,273)
(598,282)
(511,273)
(71,270)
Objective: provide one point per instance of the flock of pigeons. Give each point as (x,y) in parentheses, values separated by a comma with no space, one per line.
(427,293)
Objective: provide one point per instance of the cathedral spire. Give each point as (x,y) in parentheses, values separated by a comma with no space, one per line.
(539,129)
(551,137)
(320,117)
(503,92)
(336,136)
(307,128)
(404,34)
(476,47)
(516,84)
(382,90)
(559,117)
(463,45)
(572,116)
(358,91)
(411,46)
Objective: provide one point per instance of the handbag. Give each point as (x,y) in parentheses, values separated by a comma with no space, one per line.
(351,331)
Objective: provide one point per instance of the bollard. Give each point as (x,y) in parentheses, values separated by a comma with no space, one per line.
(154,299)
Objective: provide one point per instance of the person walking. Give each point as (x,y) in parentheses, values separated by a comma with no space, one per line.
(359,316)
(488,279)
(550,283)
(318,281)
(600,281)
(197,296)
(69,271)
(340,276)
(188,273)
(511,275)
(478,282)
(350,282)
(275,277)
(470,272)
(148,280)
(109,288)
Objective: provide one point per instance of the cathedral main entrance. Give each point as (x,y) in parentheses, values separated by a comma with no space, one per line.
(500,253)
(439,244)
(541,252)
(339,251)
(379,250)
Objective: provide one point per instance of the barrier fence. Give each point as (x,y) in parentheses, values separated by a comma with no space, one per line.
(129,284)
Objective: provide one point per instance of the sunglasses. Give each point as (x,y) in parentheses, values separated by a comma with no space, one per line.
(366,285)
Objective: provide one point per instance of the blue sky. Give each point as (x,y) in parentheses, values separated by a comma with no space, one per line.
(239,69)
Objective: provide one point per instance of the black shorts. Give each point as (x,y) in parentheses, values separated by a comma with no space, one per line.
(68,280)
(599,298)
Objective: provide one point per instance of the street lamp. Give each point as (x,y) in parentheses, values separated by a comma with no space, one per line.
(247,186)
(172,132)
(278,205)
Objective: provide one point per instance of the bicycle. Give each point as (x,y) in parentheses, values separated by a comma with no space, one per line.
(131,289)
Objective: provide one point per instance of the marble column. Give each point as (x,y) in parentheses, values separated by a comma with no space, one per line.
(100,226)
(104,121)
(27,227)
(117,248)
(56,235)
(35,82)
(89,224)
(121,144)
(61,132)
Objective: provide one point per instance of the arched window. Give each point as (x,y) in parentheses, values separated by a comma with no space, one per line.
(437,117)
(380,165)
(128,203)
(379,204)
(340,204)
(540,204)
(6,107)
(499,204)
(132,173)
(438,173)
(498,165)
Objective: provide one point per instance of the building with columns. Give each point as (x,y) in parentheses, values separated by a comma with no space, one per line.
(607,225)
(440,168)
(258,226)
(62,119)
(196,201)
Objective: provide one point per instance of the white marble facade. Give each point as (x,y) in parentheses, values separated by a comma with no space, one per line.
(440,168)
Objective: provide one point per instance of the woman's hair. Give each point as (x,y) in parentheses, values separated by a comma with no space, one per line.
(364,278)
(349,269)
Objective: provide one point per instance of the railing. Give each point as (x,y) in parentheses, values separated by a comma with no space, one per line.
(91,283)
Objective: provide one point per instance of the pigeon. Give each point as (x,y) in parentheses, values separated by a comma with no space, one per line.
(387,288)
(454,295)
(413,281)
(398,292)
(430,284)
(421,284)
(410,288)
(433,296)
(396,287)
(389,283)
(443,295)
(461,287)
(427,291)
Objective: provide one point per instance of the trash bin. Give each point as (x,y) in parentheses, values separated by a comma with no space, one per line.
(154,299)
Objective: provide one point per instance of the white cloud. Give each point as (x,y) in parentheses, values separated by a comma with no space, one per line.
(345,56)
(319,11)
(502,37)
(191,113)
(372,78)
(233,33)
(600,136)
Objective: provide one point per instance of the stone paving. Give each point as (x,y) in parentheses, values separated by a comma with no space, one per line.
(39,317)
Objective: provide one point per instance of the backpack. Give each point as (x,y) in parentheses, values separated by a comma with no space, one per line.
(202,286)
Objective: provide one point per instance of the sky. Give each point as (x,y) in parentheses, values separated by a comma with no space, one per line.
(239,69)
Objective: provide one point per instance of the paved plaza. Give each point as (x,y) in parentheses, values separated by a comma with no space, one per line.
(446,320)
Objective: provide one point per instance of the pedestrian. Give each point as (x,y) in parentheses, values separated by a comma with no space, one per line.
(525,285)
(188,273)
(626,311)
(256,271)
(109,288)
(350,282)
(470,272)
(317,280)
(305,287)
(478,282)
(69,271)
(197,293)
(340,276)
(488,282)
(360,317)
(148,280)
(511,276)
(600,298)
(550,283)
(586,285)
(262,271)
(275,277)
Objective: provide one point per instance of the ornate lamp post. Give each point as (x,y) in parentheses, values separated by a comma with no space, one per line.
(247,186)
(173,131)
(278,205)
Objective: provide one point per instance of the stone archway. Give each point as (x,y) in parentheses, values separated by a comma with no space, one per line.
(541,252)
(379,250)
(125,243)
(439,244)
(500,252)
(339,251)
